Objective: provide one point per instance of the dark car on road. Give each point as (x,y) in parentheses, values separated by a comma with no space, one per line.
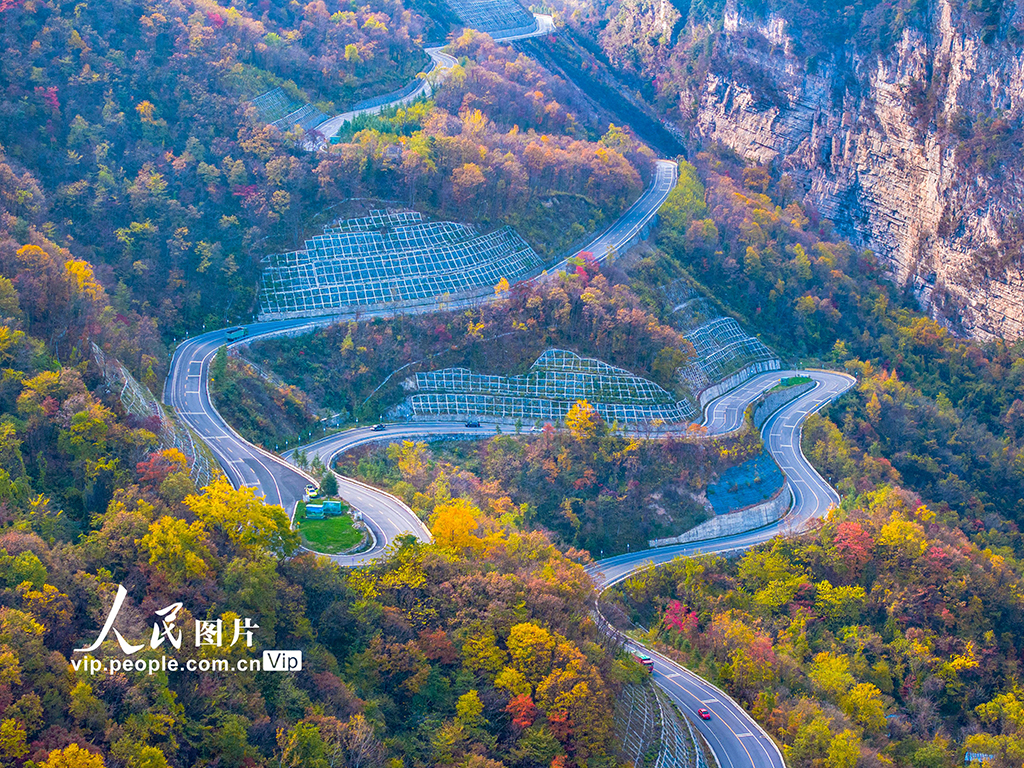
(473,424)
(379,427)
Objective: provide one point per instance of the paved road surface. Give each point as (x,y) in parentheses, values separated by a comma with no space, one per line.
(734,736)
(813,497)
(441,65)
(637,216)
(281,483)
(737,740)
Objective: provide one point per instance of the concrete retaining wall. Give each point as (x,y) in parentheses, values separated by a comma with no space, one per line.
(748,519)
(770,402)
(736,379)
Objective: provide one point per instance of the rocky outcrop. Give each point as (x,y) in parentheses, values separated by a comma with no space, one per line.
(913,152)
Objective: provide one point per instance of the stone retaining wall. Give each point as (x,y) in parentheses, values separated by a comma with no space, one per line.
(736,379)
(748,519)
(769,403)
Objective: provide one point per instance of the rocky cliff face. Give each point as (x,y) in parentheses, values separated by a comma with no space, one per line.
(912,146)
(913,152)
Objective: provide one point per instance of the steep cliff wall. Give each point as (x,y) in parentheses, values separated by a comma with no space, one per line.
(902,127)
(886,145)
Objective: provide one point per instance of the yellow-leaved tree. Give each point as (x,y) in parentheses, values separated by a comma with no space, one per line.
(249,522)
(72,756)
(583,421)
(177,549)
(83,279)
(454,526)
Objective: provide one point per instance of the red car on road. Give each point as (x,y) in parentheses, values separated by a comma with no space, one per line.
(703,714)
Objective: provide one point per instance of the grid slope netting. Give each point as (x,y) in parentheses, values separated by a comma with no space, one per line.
(722,347)
(376,220)
(751,482)
(398,94)
(306,117)
(637,723)
(490,16)
(681,746)
(554,383)
(139,401)
(386,258)
(274,104)
(279,110)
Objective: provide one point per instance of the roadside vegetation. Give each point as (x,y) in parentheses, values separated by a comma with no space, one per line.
(587,485)
(128,139)
(416,660)
(355,369)
(263,409)
(939,415)
(503,141)
(332,534)
(127,129)
(397,668)
(882,637)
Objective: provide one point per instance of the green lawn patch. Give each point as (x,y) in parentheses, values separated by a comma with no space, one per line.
(792,381)
(331,535)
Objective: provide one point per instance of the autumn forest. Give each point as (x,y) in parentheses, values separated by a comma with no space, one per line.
(140,193)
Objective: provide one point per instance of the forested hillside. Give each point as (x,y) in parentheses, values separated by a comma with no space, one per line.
(131,121)
(127,132)
(589,486)
(139,191)
(882,637)
(345,368)
(474,651)
(937,413)
(503,142)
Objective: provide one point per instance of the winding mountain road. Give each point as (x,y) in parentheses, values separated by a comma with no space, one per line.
(736,739)
(187,389)
(441,65)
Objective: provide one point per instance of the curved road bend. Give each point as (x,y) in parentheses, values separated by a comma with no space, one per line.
(636,217)
(281,483)
(735,737)
(812,496)
(441,65)
(725,414)
(737,740)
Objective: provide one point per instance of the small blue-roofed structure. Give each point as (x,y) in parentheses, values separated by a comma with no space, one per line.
(977,757)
